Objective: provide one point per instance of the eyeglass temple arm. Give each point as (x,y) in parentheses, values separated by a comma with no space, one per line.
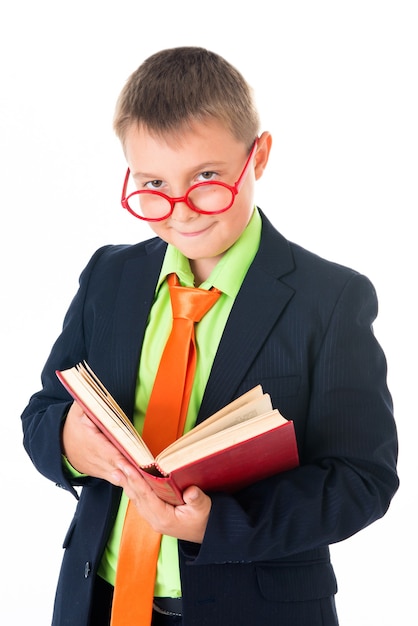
(238,184)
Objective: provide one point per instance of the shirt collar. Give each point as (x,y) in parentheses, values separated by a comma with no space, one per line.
(231,269)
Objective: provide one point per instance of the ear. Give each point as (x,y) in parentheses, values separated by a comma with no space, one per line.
(262,155)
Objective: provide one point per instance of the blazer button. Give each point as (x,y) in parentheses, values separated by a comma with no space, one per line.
(87,569)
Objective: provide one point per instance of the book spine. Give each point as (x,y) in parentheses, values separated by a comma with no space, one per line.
(164,487)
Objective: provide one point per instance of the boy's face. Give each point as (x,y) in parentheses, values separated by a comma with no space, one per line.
(205,152)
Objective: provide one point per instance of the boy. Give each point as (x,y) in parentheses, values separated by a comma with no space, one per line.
(287,319)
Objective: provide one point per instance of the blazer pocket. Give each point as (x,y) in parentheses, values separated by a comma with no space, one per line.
(283,386)
(297,583)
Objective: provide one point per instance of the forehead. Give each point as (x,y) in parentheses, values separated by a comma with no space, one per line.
(209,140)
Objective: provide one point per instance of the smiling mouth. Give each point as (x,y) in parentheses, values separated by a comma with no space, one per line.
(194,233)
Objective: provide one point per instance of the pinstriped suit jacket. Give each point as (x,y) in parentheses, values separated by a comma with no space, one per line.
(302,327)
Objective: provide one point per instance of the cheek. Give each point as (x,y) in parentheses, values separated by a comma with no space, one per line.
(239,218)
(157,228)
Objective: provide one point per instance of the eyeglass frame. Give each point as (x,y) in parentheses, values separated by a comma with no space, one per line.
(234,189)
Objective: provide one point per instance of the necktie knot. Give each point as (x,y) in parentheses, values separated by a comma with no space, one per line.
(190,303)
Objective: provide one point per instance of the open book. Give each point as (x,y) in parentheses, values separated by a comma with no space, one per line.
(244,442)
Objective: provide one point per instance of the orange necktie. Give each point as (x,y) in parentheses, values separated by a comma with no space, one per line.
(164,423)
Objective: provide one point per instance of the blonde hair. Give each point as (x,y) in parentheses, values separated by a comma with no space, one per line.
(176,87)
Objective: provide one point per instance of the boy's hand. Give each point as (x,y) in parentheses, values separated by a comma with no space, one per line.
(86,448)
(90,452)
(186,521)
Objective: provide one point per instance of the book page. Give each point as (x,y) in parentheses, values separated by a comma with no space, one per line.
(251,404)
(101,407)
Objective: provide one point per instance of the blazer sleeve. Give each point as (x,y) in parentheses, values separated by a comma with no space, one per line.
(104,325)
(348,449)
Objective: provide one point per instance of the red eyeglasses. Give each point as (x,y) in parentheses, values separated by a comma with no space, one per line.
(208,198)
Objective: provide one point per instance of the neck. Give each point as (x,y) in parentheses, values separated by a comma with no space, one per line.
(202,269)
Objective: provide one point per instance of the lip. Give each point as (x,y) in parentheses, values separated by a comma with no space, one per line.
(194,233)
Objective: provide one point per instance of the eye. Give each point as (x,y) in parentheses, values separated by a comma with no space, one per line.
(206,177)
(154,185)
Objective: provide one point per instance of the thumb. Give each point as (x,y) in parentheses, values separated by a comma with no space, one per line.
(192,495)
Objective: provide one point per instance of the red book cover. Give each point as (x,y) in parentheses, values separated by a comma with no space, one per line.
(233,468)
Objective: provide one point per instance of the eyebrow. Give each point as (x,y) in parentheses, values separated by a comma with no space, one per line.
(200,167)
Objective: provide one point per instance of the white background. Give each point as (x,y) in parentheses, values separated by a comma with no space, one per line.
(336,83)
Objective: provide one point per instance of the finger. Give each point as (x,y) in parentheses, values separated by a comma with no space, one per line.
(193,496)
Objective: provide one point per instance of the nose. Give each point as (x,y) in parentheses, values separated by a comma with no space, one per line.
(182,212)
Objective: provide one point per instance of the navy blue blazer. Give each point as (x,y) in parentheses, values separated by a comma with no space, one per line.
(302,327)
